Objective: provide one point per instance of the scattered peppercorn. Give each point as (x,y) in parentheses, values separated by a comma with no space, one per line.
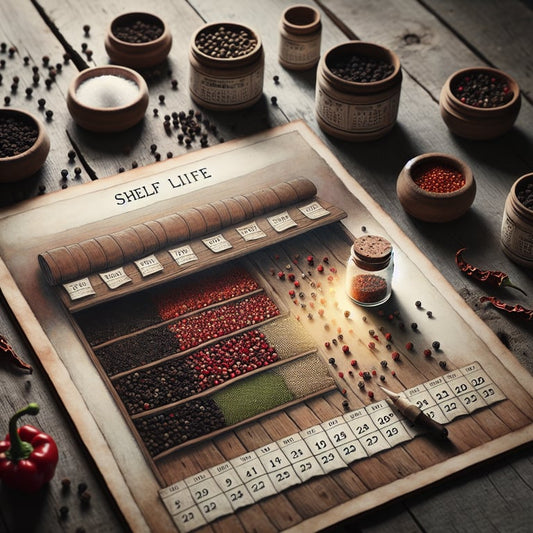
(435,345)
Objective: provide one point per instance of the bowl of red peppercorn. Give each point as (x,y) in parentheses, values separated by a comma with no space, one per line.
(480,103)
(24,145)
(436,187)
(138,40)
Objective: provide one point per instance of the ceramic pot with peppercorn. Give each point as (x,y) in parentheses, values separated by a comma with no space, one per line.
(25,145)
(358,91)
(517,223)
(480,103)
(138,40)
(227,64)
(436,187)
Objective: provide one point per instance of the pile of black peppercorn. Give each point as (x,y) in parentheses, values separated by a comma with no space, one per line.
(360,69)
(525,195)
(138,31)
(225,43)
(479,89)
(164,431)
(16,135)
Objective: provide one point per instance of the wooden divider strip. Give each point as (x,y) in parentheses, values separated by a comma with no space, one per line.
(68,263)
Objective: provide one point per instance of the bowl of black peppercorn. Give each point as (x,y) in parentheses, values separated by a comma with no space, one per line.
(138,40)
(480,103)
(24,145)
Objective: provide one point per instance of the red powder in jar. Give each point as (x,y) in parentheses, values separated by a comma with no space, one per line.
(439,178)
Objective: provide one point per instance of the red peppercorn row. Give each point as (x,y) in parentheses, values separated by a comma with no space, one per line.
(98,254)
(203,292)
(223,320)
(181,378)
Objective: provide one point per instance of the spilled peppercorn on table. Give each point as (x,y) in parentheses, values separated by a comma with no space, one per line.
(119,474)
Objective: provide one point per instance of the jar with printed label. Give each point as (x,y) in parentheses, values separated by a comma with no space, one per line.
(226,66)
(300,34)
(517,222)
(358,91)
(369,271)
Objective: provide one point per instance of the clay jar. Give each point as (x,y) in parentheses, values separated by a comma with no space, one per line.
(517,224)
(478,123)
(137,54)
(299,38)
(108,119)
(429,205)
(226,83)
(356,111)
(23,165)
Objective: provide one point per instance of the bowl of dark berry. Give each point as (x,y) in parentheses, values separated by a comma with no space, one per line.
(138,40)
(24,145)
(480,103)
(107,99)
(436,187)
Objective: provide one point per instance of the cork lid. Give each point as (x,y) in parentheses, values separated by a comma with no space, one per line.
(372,248)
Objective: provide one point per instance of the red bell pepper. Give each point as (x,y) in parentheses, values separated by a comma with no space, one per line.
(28,457)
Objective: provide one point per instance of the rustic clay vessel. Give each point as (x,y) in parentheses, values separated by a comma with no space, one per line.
(137,55)
(517,225)
(107,119)
(354,111)
(226,84)
(25,164)
(434,206)
(474,122)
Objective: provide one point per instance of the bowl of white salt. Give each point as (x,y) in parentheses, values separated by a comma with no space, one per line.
(110,98)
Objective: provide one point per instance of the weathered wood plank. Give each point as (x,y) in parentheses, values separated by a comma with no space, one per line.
(20,512)
(505,41)
(32,39)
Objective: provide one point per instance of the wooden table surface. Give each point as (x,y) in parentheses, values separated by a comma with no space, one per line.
(433,38)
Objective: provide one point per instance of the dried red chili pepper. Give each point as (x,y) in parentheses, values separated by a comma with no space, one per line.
(493,278)
(7,350)
(517,310)
(28,457)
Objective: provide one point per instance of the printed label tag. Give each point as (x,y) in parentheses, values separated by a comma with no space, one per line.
(183,255)
(217,243)
(314,210)
(79,289)
(148,265)
(251,232)
(115,278)
(281,222)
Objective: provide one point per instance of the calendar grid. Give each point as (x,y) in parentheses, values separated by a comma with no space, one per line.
(323,448)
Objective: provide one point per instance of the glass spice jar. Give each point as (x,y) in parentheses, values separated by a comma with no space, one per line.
(369,271)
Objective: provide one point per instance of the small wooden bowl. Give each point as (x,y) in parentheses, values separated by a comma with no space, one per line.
(137,55)
(435,206)
(107,119)
(23,165)
(478,123)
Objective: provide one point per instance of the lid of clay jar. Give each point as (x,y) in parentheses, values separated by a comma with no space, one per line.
(372,248)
